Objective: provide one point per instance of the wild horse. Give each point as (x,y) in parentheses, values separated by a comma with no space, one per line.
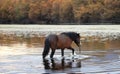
(61,41)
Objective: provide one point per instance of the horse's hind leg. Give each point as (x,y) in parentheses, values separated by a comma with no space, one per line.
(52,53)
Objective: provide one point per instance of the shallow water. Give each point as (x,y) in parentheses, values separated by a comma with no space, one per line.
(29,60)
(20,51)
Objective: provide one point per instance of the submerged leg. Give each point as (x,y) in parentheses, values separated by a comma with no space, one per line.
(62,52)
(52,53)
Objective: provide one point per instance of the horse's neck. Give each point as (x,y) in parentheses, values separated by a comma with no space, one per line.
(70,36)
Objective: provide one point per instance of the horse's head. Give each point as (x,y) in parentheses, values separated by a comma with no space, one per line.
(77,39)
(73,36)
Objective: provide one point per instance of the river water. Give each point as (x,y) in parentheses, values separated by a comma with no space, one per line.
(21,47)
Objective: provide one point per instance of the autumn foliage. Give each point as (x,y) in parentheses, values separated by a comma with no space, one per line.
(59,11)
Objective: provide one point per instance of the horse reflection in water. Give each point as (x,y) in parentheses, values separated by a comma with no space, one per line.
(62,64)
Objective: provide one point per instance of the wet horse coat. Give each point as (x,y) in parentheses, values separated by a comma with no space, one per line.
(62,41)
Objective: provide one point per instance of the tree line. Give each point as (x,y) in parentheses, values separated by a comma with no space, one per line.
(59,11)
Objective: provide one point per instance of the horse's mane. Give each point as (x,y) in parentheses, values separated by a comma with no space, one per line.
(71,35)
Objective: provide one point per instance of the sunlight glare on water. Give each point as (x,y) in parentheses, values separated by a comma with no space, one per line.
(17,49)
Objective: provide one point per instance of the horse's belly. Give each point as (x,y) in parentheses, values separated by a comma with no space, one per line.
(64,45)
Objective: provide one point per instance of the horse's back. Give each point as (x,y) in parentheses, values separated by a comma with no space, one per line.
(52,37)
(60,41)
(63,41)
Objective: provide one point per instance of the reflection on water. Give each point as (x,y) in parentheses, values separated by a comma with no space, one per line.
(62,64)
(22,59)
(88,42)
(99,44)
(22,54)
(99,62)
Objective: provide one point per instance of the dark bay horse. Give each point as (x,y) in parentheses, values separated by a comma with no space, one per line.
(61,41)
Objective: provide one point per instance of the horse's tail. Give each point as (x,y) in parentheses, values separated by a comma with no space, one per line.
(46,48)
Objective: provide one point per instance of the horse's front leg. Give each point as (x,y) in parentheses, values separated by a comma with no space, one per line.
(52,53)
(72,50)
(62,52)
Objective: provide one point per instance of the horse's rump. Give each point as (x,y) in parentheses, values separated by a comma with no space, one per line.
(53,41)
